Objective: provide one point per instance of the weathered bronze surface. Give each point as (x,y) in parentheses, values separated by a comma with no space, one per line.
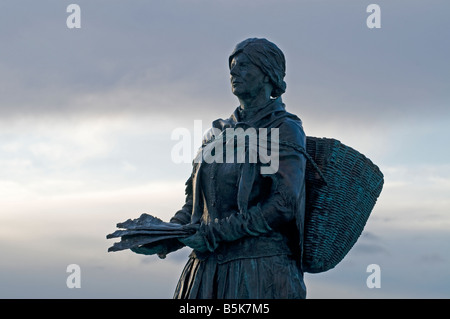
(243,219)
(250,225)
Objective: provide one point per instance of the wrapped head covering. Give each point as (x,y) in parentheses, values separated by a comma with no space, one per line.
(268,57)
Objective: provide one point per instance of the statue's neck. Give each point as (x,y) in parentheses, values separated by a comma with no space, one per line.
(249,111)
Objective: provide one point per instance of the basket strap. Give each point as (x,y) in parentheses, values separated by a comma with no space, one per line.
(308,157)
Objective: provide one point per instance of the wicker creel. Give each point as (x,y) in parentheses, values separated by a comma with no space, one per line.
(342,187)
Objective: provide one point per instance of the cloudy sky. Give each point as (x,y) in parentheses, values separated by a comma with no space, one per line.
(86,117)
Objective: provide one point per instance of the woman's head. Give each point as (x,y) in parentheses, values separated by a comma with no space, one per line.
(268,57)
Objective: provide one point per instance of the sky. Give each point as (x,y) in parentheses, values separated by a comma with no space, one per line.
(87,116)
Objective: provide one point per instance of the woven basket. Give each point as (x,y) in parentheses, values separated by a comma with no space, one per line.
(339,200)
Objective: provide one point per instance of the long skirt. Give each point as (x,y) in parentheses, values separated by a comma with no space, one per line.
(274,277)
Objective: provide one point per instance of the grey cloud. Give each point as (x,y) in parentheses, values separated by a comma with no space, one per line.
(364,248)
(336,65)
(432,258)
(369,243)
(368,235)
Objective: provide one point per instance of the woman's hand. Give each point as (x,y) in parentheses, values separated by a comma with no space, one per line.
(196,241)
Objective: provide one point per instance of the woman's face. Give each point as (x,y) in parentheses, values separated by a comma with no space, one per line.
(247,79)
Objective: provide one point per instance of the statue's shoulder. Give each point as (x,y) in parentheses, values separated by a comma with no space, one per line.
(291,129)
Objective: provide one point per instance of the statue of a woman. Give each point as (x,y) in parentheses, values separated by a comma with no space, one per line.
(249,224)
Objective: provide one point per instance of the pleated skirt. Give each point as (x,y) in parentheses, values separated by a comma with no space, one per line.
(273,277)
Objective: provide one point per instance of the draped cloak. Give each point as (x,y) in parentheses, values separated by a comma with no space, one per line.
(263,265)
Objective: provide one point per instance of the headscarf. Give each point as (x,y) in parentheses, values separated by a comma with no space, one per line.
(268,57)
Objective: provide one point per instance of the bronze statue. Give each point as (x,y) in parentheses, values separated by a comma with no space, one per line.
(256,222)
(250,225)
